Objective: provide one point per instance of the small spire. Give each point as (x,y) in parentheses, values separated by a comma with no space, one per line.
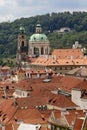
(38,26)
(38,20)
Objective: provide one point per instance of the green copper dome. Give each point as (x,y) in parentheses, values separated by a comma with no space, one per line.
(38,38)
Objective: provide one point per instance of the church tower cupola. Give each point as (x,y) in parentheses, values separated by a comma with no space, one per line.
(22,30)
(21,37)
(38,28)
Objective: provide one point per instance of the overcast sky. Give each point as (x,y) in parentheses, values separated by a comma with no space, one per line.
(14,9)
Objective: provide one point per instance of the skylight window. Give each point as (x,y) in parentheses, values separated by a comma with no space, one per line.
(46,80)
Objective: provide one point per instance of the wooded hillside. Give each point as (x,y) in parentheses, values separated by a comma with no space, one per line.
(76,21)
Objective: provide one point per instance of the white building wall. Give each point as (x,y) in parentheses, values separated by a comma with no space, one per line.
(76,95)
(20,93)
(84,103)
(76,98)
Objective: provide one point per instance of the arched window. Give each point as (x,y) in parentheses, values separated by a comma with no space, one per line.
(22,36)
(7,87)
(36,51)
(22,43)
(42,50)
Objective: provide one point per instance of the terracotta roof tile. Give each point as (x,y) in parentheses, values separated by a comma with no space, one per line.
(7,110)
(78,124)
(66,103)
(60,62)
(32,116)
(81,86)
(67,53)
(76,117)
(31,102)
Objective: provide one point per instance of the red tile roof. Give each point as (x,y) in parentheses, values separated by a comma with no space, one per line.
(61,101)
(81,86)
(32,102)
(78,124)
(40,88)
(67,53)
(30,116)
(77,117)
(9,127)
(7,111)
(62,57)
(74,118)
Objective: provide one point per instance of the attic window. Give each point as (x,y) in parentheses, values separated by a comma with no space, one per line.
(7,87)
(15,119)
(4,117)
(67,62)
(43,118)
(0,113)
(50,100)
(53,62)
(54,101)
(77,62)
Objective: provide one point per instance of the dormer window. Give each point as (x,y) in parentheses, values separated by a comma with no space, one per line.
(77,62)
(7,87)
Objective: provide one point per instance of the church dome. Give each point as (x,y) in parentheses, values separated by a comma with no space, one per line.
(38,43)
(38,38)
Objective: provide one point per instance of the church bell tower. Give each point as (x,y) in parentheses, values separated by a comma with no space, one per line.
(22,46)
